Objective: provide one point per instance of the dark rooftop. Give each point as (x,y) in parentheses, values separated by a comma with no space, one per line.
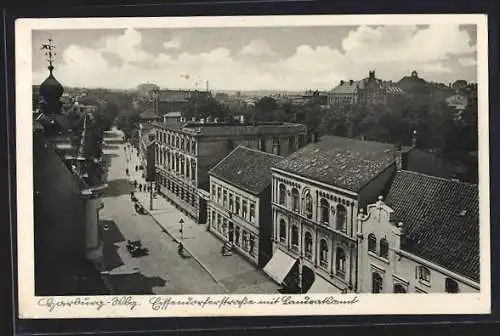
(440,220)
(246,168)
(223,129)
(342,162)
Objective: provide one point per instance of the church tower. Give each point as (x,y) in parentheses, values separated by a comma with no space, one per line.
(50,90)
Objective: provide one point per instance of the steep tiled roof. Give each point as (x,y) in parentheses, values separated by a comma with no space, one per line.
(440,220)
(342,162)
(246,168)
(346,88)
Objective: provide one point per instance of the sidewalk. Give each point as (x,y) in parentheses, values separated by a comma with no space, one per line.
(234,272)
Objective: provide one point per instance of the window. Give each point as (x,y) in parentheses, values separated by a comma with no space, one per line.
(213,219)
(325,215)
(244,243)
(295,200)
(282,232)
(244,209)
(218,194)
(291,142)
(384,248)
(237,205)
(372,243)
(282,194)
(308,206)
(224,198)
(252,245)
(231,202)
(193,147)
(424,274)
(237,236)
(213,191)
(341,218)
(323,253)
(451,286)
(218,222)
(295,238)
(377,283)
(340,262)
(252,212)
(308,245)
(398,288)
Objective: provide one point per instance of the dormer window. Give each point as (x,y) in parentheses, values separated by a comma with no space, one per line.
(424,274)
(451,286)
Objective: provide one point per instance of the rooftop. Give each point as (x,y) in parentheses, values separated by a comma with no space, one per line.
(341,162)
(246,168)
(224,129)
(440,220)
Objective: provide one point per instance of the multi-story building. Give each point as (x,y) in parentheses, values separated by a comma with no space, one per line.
(187,152)
(239,210)
(423,239)
(68,182)
(317,193)
(368,91)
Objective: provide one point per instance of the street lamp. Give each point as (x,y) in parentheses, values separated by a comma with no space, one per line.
(181,230)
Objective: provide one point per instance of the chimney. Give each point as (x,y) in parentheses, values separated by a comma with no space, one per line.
(341,82)
(202,121)
(414,139)
(400,157)
(242,119)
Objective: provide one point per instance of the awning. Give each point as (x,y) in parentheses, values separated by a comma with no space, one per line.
(321,286)
(279,266)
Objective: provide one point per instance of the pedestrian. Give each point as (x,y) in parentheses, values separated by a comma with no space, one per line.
(140,187)
(131,195)
(126,171)
(135,184)
(136,168)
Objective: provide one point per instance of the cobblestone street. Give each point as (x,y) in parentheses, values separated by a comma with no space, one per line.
(163,270)
(230,274)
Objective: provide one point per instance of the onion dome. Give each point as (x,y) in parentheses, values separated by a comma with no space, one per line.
(51,89)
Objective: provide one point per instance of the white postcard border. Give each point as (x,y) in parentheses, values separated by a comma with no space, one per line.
(30,306)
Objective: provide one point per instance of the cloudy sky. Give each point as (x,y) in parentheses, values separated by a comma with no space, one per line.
(295,58)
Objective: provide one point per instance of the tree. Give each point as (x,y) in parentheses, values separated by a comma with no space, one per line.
(265,108)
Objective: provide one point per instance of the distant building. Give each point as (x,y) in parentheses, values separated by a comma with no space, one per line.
(146,89)
(188,151)
(166,101)
(423,239)
(419,88)
(368,91)
(239,209)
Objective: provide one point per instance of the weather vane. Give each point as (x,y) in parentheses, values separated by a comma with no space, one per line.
(49,52)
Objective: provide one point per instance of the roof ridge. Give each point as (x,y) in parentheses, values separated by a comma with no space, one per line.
(438,177)
(259,151)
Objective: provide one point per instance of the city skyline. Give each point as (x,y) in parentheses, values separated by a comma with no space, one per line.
(256,58)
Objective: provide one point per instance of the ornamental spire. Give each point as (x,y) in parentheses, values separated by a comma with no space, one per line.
(50,53)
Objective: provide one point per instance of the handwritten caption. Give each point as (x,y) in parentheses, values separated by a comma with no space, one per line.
(162,303)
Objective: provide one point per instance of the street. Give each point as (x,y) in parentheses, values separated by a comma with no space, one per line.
(163,270)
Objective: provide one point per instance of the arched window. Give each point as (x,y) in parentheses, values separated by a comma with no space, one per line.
(324,213)
(295,200)
(341,219)
(308,245)
(372,243)
(377,283)
(282,194)
(295,238)
(340,261)
(323,253)
(451,286)
(398,288)
(308,204)
(384,248)
(282,231)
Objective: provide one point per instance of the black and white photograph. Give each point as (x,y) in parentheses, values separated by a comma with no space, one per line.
(230,165)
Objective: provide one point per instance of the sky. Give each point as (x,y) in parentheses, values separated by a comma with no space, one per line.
(256,58)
